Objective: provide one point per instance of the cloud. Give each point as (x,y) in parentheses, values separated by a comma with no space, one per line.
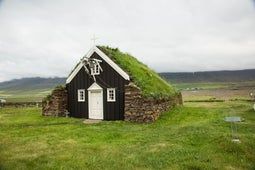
(47,38)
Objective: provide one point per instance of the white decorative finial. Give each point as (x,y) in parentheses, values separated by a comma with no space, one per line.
(94,38)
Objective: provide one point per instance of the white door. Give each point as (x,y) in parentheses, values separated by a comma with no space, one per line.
(96,105)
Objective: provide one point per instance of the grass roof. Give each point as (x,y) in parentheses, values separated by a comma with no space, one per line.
(150,83)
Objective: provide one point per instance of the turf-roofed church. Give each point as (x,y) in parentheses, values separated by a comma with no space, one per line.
(110,85)
(96,88)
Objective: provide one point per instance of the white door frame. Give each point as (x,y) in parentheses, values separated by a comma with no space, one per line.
(95,88)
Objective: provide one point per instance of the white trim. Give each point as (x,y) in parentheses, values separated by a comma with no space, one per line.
(111,63)
(105,58)
(108,95)
(73,74)
(79,95)
(95,88)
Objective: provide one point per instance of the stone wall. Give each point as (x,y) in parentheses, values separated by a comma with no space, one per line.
(146,110)
(55,104)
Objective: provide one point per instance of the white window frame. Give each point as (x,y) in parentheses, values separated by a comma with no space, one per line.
(95,70)
(80,99)
(109,99)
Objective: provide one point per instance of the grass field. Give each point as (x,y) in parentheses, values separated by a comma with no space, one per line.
(217,91)
(218,94)
(25,96)
(214,85)
(193,136)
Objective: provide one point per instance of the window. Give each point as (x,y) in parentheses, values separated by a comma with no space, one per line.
(95,70)
(81,95)
(111,97)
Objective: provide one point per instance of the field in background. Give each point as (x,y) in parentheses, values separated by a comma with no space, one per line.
(193,136)
(217,94)
(28,89)
(215,85)
(17,96)
(216,91)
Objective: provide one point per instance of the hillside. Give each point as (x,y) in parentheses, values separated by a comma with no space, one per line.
(210,76)
(30,84)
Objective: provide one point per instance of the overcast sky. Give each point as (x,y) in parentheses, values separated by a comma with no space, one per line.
(48,37)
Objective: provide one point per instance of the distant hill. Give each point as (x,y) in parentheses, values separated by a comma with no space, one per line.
(38,83)
(34,83)
(210,76)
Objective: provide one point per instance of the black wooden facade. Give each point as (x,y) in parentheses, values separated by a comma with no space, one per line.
(108,78)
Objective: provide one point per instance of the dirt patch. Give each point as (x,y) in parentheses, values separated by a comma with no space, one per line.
(91,121)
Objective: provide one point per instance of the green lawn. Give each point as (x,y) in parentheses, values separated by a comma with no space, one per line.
(193,136)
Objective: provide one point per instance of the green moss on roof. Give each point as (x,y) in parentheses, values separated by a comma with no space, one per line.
(150,83)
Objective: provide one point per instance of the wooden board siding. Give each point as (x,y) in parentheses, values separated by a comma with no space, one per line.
(109,78)
(80,81)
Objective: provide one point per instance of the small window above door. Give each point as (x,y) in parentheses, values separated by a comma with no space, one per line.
(95,70)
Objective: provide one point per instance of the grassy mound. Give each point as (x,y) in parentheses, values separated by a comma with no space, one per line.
(151,84)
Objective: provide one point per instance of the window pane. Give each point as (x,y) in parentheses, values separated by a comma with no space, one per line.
(81,95)
(111,95)
(95,70)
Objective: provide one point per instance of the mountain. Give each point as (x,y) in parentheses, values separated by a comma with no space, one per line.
(210,76)
(34,83)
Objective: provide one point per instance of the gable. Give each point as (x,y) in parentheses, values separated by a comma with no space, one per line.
(105,58)
(94,86)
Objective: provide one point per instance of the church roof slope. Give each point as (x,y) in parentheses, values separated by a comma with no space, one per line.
(150,83)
